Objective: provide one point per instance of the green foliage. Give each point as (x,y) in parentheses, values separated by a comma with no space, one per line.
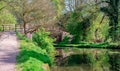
(80,22)
(32,55)
(77,24)
(33,66)
(29,49)
(43,40)
(97,59)
(101,61)
(114,61)
(99,28)
(88,28)
(6,17)
(92,23)
(112,10)
(59,4)
(90,45)
(79,59)
(65,40)
(22,37)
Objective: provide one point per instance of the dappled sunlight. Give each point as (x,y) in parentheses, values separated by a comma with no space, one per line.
(8,51)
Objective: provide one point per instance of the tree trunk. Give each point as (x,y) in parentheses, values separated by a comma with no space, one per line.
(24,26)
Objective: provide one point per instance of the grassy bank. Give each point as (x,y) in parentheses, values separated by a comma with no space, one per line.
(31,56)
(91,45)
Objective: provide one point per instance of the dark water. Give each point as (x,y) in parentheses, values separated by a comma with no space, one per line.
(78,68)
(72,68)
(105,62)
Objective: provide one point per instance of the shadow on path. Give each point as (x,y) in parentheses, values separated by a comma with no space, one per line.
(8,51)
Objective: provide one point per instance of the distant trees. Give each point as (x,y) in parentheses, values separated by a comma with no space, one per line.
(6,17)
(84,20)
(5,4)
(59,5)
(91,20)
(112,10)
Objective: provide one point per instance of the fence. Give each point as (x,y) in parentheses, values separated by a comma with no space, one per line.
(12,27)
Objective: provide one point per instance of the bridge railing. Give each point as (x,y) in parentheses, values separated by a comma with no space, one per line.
(12,27)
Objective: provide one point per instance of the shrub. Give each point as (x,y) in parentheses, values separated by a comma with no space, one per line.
(29,49)
(33,66)
(31,56)
(65,40)
(43,40)
(22,37)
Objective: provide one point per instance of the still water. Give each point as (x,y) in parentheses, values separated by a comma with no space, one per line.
(72,68)
(108,60)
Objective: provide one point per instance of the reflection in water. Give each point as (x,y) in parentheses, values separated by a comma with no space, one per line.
(89,60)
(72,68)
(77,68)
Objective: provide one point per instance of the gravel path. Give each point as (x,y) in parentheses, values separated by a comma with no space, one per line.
(8,51)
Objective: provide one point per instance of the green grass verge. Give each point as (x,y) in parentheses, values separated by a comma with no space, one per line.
(32,57)
(90,45)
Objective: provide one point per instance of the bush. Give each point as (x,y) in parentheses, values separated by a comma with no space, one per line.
(65,40)
(43,40)
(28,49)
(33,66)
(31,57)
(22,37)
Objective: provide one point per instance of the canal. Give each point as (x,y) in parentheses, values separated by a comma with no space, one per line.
(78,59)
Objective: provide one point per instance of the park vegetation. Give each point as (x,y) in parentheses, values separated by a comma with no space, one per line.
(80,24)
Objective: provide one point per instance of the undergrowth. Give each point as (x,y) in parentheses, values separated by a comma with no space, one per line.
(31,56)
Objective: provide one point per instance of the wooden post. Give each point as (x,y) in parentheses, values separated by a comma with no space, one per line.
(9,27)
(15,28)
(3,28)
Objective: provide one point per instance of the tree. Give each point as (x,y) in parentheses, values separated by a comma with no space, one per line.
(6,17)
(5,3)
(59,5)
(84,20)
(113,11)
(33,11)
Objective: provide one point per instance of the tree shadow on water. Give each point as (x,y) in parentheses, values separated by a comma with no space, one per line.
(75,59)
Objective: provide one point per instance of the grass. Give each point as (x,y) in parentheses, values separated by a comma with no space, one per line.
(90,45)
(31,57)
